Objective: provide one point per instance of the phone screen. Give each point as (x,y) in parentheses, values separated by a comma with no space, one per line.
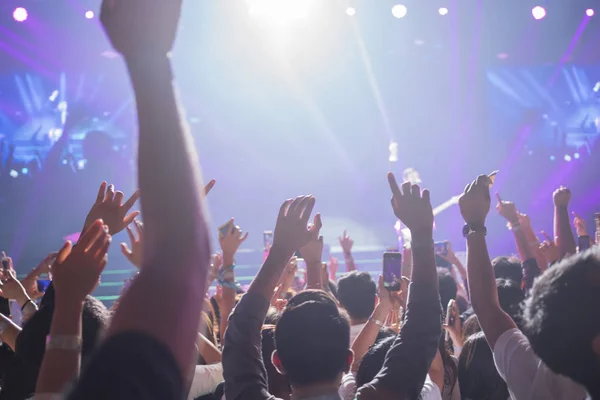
(42,285)
(392,270)
(268,239)
(224,229)
(441,248)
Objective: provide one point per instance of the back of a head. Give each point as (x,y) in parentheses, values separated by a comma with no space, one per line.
(279,385)
(561,318)
(477,374)
(31,343)
(356,293)
(312,340)
(510,297)
(470,327)
(447,286)
(371,363)
(508,268)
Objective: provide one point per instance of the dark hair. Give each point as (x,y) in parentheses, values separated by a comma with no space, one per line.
(508,268)
(447,286)
(510,297)
(30,345)
(312,340)
(477,374)
(470,327)
(371,363)
(561,318)
(356,293)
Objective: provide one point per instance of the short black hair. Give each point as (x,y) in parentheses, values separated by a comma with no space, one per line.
(508,268)
(561,318)
(30,346)
(447,286)
(356,293)
(312,340)
(371,363)
(511,298)
(477,374)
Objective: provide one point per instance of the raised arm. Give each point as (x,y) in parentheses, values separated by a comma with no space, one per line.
(9,331)
(243,367)
(474,206)
(409,359)
(76,273)
(346,242)
(562,224)
(176,250)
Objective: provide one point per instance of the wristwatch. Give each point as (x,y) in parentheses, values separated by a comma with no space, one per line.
(469,229)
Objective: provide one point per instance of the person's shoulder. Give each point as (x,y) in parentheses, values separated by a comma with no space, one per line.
(509,340)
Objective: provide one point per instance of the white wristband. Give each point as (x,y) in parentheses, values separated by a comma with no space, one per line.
(64,342)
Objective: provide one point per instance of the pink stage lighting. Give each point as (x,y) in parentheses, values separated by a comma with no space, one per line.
(589,12)
(538,12)
(20,14)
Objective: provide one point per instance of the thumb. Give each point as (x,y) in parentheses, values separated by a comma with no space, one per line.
(64,252)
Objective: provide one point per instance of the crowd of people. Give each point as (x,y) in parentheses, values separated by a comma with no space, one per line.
(525,327)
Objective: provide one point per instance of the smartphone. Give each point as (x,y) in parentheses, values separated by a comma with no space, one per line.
(42,285)
(441,248)
(492,177)
(225,228)
(392,270)
(450,313)
(268,239)
(584,242)
(5,263)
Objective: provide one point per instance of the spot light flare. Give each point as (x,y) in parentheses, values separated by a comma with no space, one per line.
(589,12)
(443,11)
(538,12)
(20,14)
(399,11)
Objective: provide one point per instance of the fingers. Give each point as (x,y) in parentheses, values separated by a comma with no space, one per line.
(101,192)
(310,205)
(294,206)
(498,198)
(126,251)
(243,238)
(90,234)
(406,188)
(317,224)
(131,201)
(110,193)
(547,237)
(100,244)
(64,252)
(284,208)
(118,199)
(139,227)
(393,184)
(209,186)
(130,218)
(426,196)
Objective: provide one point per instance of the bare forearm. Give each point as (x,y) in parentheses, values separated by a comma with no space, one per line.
(313,276)
(481,279)
(266,280)
(208,351)
(562,231)
(349,259)
(523,247)
(10,331)
(425,272)
(367,335)
(60,366)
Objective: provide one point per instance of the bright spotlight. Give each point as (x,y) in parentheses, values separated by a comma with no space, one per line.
(351,11)
(280,11)
(538,12)
(443,11)
(20,14)
(589,12)
(89,14)
(552,158)
(399,11)
(576,156)
(567,158)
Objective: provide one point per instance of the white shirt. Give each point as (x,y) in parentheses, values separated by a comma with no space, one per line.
(354,331)
(347,389)
(526,376)
(206,379)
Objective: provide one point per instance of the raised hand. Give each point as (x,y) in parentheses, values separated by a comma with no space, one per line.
(333,267)
(549,249)
(346,242)
(11,288)
(580,225)
(475,201)
(76,271)
(562,196)
(291,230)
(452,324)
(138,26)
(134,254)
(313,250)
(216,262)
(231,242)
(209,186)
(411,206)
(508,210)
(110,208)
(30,281)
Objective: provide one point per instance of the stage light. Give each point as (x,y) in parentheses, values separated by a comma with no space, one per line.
(13,173)
(552,158)
(25,171)
(443,11)
(538,12)
(89,14)
(576,156)
(399,11)
(20,14)
(351,11)
(567,158)
(280,11)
